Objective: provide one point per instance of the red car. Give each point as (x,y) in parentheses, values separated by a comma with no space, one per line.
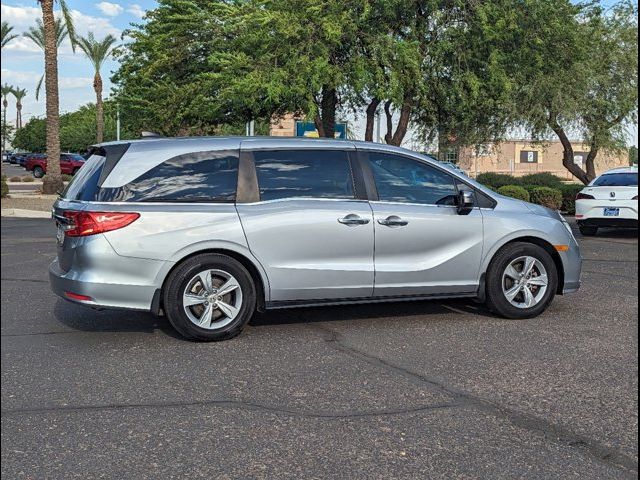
(70,163)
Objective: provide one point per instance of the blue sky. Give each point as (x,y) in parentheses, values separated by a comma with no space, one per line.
(22,61)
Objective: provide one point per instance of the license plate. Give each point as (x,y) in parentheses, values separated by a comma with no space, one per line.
(60,235)
(611,212)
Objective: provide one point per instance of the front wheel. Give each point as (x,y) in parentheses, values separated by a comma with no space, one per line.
(38,172)
(522,281)
(209,297)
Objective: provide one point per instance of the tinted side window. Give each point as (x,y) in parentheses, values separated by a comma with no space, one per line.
(304,173)
(400,179)
(84,184)
(193,177)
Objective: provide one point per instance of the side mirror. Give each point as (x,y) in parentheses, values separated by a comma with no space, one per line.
(466,202)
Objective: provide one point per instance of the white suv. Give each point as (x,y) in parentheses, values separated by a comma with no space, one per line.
(611,200)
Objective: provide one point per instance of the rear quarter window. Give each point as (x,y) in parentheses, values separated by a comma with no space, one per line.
(84,185)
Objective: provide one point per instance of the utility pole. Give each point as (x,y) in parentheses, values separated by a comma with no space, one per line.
(118,121)
(378,134)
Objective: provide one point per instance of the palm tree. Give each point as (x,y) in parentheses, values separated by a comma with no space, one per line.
(97,52)
(53,180)
(5,91)
(7,36)
(19,93)
(36,35)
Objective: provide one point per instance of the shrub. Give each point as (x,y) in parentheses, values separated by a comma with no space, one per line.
(15,179)
(5,187)
(497,180)
(547,197)
(515,191)
(67,178)
(569,193)
(28,179)
(542,180)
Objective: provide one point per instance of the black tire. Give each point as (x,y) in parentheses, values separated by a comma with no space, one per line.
(588,231)
(38,172)
(178,281)
(496,299)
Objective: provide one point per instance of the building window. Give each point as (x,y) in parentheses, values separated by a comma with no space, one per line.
(452,156)
(579,158)
(528,156)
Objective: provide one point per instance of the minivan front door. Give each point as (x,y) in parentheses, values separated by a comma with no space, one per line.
(311,234)
(422,245)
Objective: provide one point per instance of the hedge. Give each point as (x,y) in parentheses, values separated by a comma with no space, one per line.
(542,180)
(5,187)
(497,180)
(569,193)
(515,191)
(547,197)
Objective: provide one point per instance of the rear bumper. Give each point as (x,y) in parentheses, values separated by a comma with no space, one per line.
(612,222)
(68,286)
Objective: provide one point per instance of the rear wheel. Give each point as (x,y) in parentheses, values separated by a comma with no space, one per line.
(521,281)
(38,172)
(588,231)
(209,297)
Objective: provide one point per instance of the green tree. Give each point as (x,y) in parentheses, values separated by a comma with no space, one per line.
(574,73)
(97,51)
(5,91)
(611,95)
(19,94)
(633,155)
(53,180)
(6,35)
(36,35)
(77,130)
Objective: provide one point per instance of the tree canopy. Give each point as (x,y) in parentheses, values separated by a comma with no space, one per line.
(462,72)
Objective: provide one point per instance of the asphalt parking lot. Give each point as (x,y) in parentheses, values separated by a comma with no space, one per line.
(403,390)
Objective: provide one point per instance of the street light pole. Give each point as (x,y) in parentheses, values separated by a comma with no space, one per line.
(378,137)
(118,121)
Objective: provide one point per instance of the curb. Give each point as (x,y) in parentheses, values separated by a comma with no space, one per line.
(21,213)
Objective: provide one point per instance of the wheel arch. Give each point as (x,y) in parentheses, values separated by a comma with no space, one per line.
(259,277)
(541,242)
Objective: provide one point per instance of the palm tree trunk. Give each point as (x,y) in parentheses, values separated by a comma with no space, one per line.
(5,104)
(97,86)
(53,180)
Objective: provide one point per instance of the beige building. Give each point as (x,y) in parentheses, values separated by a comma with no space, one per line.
(521,157)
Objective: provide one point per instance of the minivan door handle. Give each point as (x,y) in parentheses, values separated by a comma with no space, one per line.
(353,219)
(393,221)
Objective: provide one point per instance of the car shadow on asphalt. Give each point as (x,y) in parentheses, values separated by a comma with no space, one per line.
(85,319)
(371,311)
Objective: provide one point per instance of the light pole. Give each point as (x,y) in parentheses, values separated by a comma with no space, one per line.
(118,121)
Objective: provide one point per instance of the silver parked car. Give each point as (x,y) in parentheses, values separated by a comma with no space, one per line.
(209,230)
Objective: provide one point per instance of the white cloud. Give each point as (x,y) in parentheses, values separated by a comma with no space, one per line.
(136,10)
(110,9)
(20,17)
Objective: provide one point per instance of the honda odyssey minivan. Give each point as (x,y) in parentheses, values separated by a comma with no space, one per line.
(209,230)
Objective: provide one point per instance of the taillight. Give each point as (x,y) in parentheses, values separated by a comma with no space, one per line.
(82,224)
(585,196)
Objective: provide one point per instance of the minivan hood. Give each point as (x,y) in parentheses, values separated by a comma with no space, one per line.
(543,211)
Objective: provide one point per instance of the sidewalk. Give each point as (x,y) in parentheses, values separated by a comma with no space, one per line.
(27,205)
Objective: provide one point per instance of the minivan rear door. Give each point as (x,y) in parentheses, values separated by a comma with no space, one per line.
(308,223)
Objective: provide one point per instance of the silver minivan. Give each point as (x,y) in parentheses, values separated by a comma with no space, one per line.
(209,230)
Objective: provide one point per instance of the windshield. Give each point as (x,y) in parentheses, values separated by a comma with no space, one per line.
(617,180)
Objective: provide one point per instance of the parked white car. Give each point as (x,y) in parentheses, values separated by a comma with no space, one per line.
(611,200)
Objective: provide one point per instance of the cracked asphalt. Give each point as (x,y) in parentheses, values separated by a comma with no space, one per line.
(403,390)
